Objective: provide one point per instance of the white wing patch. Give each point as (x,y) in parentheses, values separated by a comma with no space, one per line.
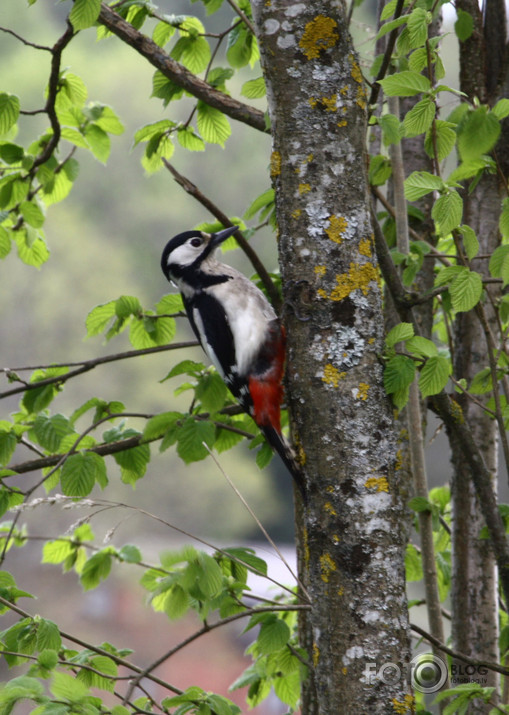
(248,316)
(206,345)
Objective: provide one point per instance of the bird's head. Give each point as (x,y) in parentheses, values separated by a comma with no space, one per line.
(186,252)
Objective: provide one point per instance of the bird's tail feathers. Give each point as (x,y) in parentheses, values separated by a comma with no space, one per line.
(281,446)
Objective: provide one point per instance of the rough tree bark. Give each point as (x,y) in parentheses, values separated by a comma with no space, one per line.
(474,577)
(352,530)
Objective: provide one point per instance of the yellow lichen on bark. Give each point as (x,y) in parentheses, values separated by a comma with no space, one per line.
(329,508)
(358,277)
(320,270)
(328,103)
(406,705)
(327,566)
(331,375)
(275,163)
(365,247)
(337,227)
(320,34)
(304,188)
(380,484)
(362,391)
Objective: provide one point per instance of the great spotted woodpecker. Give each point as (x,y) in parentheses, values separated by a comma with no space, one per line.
(237,328)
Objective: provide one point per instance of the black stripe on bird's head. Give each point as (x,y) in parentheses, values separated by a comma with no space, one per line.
(184,253)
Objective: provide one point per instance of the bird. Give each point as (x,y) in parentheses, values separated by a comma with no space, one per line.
(238,330)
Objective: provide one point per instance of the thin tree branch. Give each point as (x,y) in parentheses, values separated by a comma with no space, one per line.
(246,247)
(457,654)
(53,86)
(179,74)
(242,16)
(207,628)
(84,366)
(95,649)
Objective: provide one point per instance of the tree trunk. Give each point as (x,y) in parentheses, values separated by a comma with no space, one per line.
(474,577)
(352,530)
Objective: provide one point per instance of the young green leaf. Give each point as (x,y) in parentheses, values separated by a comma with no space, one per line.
(405,84)
(420,183)
(401,331)
(434,375)
(464,25)
(9,111)
(84,13)
(213,125)
(447,212)
(466,290)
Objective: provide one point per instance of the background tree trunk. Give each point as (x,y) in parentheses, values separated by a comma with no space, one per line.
(352,531)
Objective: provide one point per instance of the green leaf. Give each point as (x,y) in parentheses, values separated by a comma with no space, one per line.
(390,126)
(99,317)
(134,460)
(188,139)
(51,430)
(420,504)
(105,665)
(503,223)
(447,212)
(399,373)
(274,634)
(434,375)
(54,552)
(191,436)
(417,24)
(420,183)
(400,332)
(470,242)
(405,84)
(501,108)
(32,252)
(442,137)
(193,52)
(242,47)
(106,119)
(213,125)
(130,554)
(96,569)
(99,141)
(211,391)
(254,88)
(48,635)
(5,242)
(8,444)
(248,558)
(391,25)
(165,89)
(78,474)
(9,111)
(162,33)
(127,305)
(158,425)
(466,290)
(84,13)
(65,687)
(32,213)
(380,169)
(464,25)
(421,347)
(477,133)
(413,564)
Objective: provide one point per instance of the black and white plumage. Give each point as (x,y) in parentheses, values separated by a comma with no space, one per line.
(237,328)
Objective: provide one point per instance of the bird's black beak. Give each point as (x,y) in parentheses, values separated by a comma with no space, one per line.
(217,238)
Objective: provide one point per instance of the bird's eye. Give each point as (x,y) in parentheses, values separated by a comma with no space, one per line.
(196,242)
